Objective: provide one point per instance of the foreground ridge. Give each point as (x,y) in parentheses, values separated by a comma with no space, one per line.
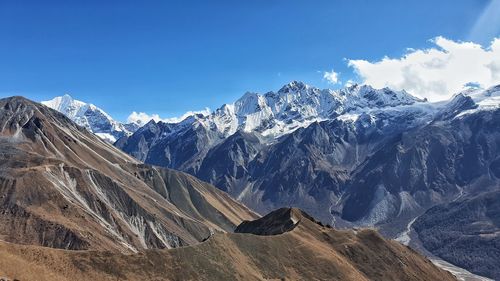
(309,251)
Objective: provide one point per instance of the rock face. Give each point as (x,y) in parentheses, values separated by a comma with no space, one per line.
(423,167)
(276,222)
(465,232)
(308,251)
(63,187)
(91,117)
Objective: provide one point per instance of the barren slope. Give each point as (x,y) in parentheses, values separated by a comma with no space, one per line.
(308,252)
(63,187)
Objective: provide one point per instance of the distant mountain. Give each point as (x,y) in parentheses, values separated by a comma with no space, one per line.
(63,187)
(304,251)
(91,117)
(296,105)
(251,148)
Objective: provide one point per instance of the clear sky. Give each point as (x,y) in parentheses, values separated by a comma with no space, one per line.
(168,57)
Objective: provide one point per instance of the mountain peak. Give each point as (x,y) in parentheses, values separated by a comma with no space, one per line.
(67,97)
(19,105)
(23,118)
(472,100)
(248,95)
(293,86)
(89,116)
(249,103)
(16,99)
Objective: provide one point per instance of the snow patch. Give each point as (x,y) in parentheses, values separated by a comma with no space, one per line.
(107,137)
(484,99)
(460,273)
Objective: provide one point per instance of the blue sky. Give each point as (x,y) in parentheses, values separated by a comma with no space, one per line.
(168,57)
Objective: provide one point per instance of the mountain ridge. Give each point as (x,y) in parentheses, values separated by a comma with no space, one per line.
(306,252)
(64,187)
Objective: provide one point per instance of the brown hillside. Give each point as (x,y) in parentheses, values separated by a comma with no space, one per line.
(63,187)
(308,252)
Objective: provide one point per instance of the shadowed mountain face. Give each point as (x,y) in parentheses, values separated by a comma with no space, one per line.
(308,251)
(465,232)
(424,167)
(63,187)
(277,222)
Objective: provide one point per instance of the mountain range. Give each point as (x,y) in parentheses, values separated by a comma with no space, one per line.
(352,157)
(313,148)
(357,156)
(259,146)
(73,206)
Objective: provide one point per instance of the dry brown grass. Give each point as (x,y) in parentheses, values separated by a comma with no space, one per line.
(308,252)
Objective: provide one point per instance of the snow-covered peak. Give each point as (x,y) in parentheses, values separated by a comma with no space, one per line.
(62,101)
(297,105)
(67,105)
(367,96)
(293,87)
(478,95)
(91,117)
(488,99)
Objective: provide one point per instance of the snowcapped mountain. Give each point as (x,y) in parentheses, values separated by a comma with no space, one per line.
(295,105)
(298,105)
(91,117)
(356,156)
(184,145)
(306,145)
(265,119)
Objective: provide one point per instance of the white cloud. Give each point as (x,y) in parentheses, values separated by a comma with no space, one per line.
(142,118)
(204,112)
(349,83)
(332,77)
(435,73)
